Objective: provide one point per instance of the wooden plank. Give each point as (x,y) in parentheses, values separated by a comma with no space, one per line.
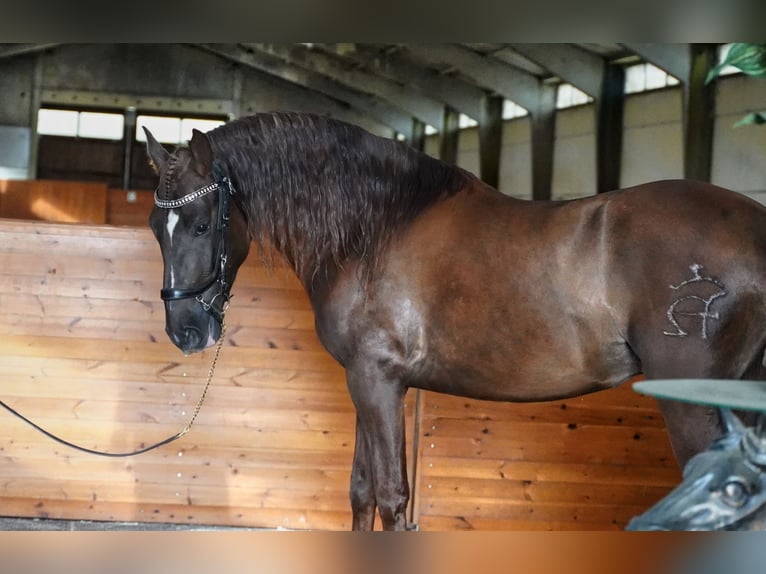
(537,492)
(575,414)
(84,327)
(154,410)
(503,510)
(306,519)
(447,523)
(73,377)
(594,447)
(553,471)
(99,349)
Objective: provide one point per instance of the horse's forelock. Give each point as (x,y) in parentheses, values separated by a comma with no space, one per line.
(177,162)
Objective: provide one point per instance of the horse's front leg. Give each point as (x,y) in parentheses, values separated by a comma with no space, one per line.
(379,405)
(362,492)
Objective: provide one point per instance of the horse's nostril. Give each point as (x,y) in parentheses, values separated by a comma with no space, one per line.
(193,337)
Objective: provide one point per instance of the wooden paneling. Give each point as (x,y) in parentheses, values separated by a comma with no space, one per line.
(83,352)
(587,463)
(120,211)
(58,201)
(74,202)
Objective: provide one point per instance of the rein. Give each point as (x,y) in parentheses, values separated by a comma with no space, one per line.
(163,442)
(226,191)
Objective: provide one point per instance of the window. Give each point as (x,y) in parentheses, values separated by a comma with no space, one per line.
(72,123)
(568,96)
(57,122)
(513,110)
(101,126)
(172,130)
(465,121)
(188,124)
(645,76)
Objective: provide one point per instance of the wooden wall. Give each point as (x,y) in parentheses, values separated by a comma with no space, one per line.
(587,463)
(59,201)
(83,352)
(74,202)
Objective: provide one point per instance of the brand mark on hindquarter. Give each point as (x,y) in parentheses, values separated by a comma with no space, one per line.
(692,304)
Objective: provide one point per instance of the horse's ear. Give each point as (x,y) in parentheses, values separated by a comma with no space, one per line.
(202,153)
(158,155)
(731,422)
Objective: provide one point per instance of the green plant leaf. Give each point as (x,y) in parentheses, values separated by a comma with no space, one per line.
(750,59)
(756,118)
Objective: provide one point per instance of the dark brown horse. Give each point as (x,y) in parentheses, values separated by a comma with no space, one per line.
(422,276)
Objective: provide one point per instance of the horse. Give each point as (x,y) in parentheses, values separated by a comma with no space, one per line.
(723,488)
(422,276)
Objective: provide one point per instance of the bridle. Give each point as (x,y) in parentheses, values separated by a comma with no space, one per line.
(221,184)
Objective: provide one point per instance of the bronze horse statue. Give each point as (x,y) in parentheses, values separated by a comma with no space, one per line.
(723,488)
(421,275)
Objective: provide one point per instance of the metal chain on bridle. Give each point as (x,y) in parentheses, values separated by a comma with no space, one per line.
(225,192)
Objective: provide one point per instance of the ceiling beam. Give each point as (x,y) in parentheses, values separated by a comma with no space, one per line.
(456,93)
(525,89)
(574,65)
(675,59)
(378,110)
(421,107)
(512,83)
(10,50)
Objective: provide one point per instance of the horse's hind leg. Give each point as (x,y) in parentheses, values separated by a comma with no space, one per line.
(691,428)
(362,492)
(379,404)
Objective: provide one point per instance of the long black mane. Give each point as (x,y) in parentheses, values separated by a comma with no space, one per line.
(321,191)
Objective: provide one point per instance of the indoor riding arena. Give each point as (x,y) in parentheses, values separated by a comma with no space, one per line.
(84,352)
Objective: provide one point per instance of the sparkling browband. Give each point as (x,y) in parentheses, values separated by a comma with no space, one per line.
(188,198)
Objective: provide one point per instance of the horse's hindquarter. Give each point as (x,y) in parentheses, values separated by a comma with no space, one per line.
(688,268)
(495,298)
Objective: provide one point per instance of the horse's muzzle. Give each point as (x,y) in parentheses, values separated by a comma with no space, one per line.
(194,336)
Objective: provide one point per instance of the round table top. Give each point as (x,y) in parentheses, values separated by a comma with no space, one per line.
(734,394)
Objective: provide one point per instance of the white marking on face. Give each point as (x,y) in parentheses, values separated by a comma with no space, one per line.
(171,226)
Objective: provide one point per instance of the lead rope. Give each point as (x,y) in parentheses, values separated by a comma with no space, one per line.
(170,439)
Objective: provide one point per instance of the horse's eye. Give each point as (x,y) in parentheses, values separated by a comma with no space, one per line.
(735,493)
(201,229)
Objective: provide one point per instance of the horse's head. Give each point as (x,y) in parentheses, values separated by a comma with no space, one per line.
(203,238)
(723,488)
